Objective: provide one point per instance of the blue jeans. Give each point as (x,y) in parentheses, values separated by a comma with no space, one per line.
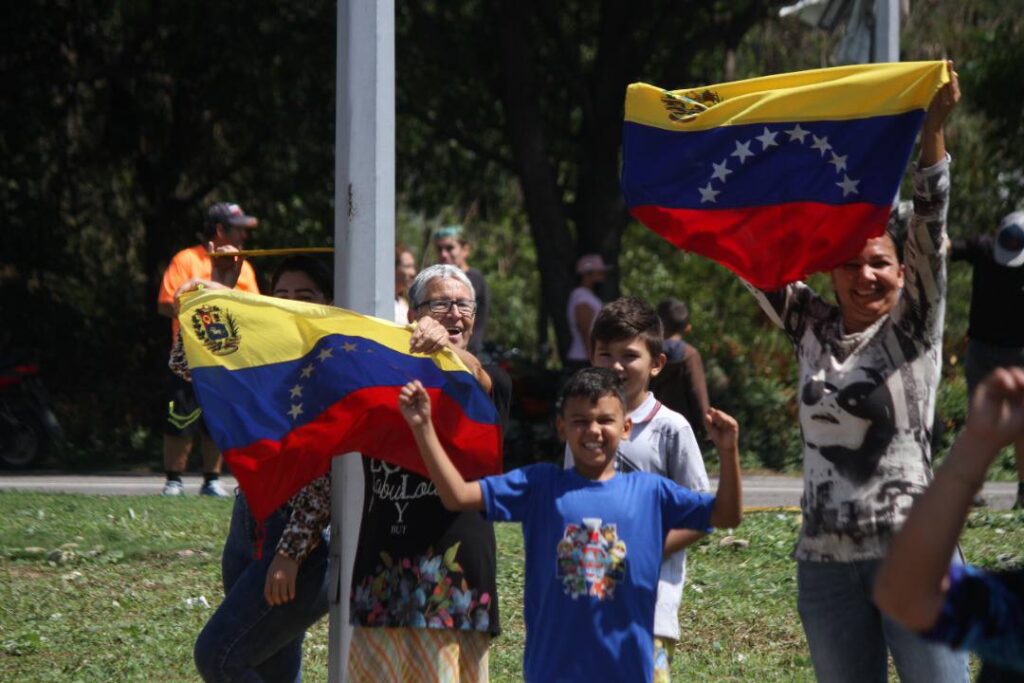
(848,636)
(246,639)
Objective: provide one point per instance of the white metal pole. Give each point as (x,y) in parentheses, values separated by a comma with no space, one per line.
(887,31)
(364,239)
(886,42)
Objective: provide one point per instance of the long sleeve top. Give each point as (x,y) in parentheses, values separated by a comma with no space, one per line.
(867,399)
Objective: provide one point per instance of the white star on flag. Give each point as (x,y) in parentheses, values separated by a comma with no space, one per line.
(721,170)
(821,144)
(849,185)
(797,133)
(296,411)
(296,391)
(767,139)
(742,151)
(324,354)
(839,162)
(307,371)
(707,194)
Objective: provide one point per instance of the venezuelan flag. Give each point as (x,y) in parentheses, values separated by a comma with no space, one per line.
(286,385)
(780,176)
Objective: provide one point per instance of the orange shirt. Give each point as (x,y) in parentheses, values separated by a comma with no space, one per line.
(194,262)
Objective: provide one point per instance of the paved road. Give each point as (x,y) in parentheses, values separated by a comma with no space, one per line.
(758,491)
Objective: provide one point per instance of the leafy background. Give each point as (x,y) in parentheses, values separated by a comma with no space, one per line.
(130,117)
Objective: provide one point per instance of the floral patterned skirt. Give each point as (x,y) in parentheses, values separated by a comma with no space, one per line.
(415,655)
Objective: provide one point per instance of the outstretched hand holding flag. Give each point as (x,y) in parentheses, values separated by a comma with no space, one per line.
(780,176)
(286,385)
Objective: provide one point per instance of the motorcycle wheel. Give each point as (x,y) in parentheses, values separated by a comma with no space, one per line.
(23,439)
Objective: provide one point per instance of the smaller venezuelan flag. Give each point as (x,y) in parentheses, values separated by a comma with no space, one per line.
(286,385)
(780,176)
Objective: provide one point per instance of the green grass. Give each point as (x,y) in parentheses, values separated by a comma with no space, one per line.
(115,607)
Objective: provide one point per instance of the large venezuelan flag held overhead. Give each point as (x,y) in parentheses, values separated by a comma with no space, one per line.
(286,385)
(780,176)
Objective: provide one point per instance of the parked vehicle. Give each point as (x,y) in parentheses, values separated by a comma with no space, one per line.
(28,426)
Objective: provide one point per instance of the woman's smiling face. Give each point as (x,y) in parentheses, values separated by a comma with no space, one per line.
(868,285)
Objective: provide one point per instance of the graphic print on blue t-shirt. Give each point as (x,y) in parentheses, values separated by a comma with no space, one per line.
(591,559)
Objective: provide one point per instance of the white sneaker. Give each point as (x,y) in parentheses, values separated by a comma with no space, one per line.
(213,488)
(173,488)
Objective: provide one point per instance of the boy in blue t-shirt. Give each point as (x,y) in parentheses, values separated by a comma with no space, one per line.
(627,339)
(593,537)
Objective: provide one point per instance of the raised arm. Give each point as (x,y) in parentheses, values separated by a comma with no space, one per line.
(455,492)
(920,311)
(680,539)
(909,587)
(685,466)
(974,250)
(724,432)
(792,307)
(933,138)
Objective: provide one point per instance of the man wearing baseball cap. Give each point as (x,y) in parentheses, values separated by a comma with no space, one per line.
(226,225)
(996,331)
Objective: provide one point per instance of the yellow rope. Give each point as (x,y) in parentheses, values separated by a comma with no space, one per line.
(274,252)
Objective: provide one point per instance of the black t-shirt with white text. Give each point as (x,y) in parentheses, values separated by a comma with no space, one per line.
(419,565)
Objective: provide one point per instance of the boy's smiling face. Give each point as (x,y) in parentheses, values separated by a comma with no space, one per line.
(592,430)
(631,360)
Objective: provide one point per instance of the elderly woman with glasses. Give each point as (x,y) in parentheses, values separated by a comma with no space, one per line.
(424,600)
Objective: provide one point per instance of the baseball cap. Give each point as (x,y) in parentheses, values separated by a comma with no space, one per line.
(1009,249)
(589,263)
(227,213)
(454,231)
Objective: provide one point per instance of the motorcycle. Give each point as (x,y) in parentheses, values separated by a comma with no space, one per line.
(28,426)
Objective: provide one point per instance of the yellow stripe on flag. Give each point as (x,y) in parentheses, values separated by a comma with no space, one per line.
(253,330)
(839,93)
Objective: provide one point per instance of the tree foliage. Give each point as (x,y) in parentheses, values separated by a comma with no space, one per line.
(130,117)
(534,90)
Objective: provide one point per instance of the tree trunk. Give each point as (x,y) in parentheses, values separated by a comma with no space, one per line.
(541,193)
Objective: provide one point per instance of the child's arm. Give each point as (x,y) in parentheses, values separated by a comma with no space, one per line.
(909,587)
(677,539)
(724,432)
(687,470)
(455,492)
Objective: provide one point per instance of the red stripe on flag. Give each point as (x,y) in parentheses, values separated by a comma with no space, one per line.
(366,421)
(770,246)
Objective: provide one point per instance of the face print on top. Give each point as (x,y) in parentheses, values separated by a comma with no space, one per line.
(852,425)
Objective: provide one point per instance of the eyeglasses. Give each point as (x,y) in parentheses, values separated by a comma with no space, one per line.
(442,306)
